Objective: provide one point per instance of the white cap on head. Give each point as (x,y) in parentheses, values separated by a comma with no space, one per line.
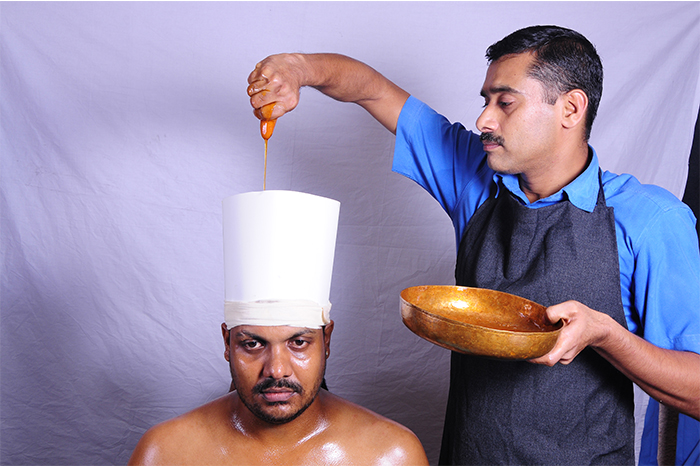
(278,258)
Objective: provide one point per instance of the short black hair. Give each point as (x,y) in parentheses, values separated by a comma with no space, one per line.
(564,60)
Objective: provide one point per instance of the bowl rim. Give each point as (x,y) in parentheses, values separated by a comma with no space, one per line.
(558,325)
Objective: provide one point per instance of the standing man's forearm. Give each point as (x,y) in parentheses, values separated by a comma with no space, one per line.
(669,376)
(278,78)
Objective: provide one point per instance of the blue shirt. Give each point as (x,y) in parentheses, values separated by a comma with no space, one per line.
(656,238)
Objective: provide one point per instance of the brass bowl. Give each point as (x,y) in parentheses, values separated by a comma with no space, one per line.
(478,321)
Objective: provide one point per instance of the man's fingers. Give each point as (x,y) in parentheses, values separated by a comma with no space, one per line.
(257,86)
(255,74)
(270,92)
(262,99)
(266,110)
(270,111)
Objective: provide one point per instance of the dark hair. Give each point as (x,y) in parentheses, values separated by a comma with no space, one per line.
(564,60)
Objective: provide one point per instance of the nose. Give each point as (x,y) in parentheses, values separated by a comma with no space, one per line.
(277,364)
(486,123)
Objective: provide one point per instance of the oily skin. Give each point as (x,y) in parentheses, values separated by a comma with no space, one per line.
(290,423)
(277,371)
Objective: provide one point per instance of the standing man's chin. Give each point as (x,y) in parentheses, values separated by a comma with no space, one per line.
(493,164)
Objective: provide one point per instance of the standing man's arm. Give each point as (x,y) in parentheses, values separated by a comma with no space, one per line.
(671,377)
(278,78)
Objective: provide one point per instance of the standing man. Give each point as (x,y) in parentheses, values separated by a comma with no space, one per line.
(534,215)
(278,255)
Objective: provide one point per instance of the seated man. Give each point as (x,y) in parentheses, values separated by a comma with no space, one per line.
(278,412)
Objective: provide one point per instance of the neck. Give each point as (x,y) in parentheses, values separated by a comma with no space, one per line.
(553,175)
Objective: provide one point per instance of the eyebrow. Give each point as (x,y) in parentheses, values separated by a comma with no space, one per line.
(498,90)
(245,333)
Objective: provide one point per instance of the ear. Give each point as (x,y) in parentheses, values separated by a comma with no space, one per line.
(226,333)
(575,107)
(327,331)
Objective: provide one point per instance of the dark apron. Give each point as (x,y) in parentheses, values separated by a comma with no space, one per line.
(516,412)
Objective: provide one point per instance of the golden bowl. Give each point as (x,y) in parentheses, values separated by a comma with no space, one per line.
(478,321)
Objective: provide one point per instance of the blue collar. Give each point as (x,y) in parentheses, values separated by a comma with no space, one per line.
(581,192)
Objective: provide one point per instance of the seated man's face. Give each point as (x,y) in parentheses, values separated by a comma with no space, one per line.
(278,370)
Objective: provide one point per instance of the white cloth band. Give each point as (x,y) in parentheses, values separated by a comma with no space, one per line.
(291,312)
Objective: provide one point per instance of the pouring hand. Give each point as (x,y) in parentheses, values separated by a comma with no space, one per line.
(275,83)
(274,86)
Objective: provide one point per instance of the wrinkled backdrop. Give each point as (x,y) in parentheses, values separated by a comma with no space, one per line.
(124,125)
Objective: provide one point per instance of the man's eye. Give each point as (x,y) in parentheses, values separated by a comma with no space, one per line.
(299,343)
(251,344)
(504,104)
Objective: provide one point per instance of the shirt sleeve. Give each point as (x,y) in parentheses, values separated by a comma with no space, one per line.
(444,158)
(666,275)
(666,291)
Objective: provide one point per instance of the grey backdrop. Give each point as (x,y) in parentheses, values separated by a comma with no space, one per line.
(124,125)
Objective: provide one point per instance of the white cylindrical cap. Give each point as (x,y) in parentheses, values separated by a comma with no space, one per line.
(278,258)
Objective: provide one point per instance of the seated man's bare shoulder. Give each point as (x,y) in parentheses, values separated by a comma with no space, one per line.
(201,436)
(369,438)
(350,434)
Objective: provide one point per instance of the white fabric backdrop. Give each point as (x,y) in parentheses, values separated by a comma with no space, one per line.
(124,125)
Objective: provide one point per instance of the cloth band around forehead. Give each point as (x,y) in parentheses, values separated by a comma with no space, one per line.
(291,312)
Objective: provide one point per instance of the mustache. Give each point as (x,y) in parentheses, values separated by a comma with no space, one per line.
(490,137)
(272,383)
